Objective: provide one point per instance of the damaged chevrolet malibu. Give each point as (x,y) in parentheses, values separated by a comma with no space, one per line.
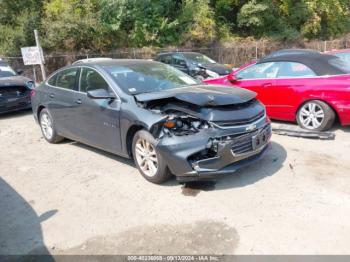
(151,112)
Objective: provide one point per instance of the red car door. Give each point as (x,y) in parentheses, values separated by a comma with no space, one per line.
(260,78)
(288,89)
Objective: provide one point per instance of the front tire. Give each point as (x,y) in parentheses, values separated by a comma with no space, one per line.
(148,161)
(47,127)
(315,115)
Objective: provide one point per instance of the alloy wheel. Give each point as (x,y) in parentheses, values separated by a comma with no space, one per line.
(46,126)
(311,115)
(146,157)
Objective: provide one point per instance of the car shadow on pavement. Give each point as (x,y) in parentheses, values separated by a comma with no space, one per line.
(20,230)
(338,127)
(267,166)
(16,114)
(270,163)
(115,157)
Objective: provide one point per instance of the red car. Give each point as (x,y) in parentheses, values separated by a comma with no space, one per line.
(310,88)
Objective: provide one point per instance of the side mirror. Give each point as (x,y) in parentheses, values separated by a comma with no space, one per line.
(19,71)
(99,94)
(232,78)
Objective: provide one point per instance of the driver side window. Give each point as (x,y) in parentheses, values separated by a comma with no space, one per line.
(92,80)
(258,71)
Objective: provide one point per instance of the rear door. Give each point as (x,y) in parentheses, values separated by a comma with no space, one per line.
(97,120)
(60,100)
(291,81)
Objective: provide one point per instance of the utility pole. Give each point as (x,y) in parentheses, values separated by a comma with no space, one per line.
(41,54)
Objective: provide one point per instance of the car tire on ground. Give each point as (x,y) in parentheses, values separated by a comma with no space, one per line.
(47,127)
(148,161)
(316,115)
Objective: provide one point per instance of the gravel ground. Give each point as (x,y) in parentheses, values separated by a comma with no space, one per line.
(73,199)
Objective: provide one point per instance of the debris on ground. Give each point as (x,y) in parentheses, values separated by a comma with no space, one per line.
(296,131)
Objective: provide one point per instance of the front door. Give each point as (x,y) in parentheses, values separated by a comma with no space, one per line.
(97,120)
(260,78)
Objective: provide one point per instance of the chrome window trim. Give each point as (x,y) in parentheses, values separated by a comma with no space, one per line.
(79,92)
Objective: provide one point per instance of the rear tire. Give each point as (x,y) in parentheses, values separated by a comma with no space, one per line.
(48,128)
(315,115)
(148,161)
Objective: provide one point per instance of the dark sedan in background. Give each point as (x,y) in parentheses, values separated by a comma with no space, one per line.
(194,64)
(156,114)
(14,89)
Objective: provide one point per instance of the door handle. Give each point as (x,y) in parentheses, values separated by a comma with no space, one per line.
(51,95)
(78,101)
(266,85)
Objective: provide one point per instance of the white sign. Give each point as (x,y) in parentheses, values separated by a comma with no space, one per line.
(31,55)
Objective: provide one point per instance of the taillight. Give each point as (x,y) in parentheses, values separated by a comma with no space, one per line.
(32,93)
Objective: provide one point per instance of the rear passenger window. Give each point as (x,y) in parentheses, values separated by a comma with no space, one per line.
(66,78)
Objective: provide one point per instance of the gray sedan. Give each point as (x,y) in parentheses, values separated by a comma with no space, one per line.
(151,112)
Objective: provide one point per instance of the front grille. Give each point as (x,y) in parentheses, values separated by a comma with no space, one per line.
(13,91)
(251,141)
(243,146)
(242,122)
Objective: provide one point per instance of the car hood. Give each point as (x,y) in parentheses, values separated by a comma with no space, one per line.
(217,68)
(14,81)
(202,95)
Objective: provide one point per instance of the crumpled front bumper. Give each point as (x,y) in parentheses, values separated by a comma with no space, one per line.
(235,148)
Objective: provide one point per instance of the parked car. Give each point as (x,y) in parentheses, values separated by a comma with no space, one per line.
(194,64)
(343,54)
(310,88)
(14,89)
(155,114)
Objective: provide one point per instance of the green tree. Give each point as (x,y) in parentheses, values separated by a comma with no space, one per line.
(17,23)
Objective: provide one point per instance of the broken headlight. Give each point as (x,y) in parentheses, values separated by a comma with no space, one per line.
(183,125)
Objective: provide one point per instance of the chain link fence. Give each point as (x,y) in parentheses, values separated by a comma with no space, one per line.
(234,55)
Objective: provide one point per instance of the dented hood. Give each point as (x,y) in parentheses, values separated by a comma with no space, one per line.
(202,95)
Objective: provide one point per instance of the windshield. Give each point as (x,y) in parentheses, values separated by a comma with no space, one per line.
(148,77)
(199,58)
(6,71)
(340,64)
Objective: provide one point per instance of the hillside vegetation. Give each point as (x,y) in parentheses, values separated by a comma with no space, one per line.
(102,25)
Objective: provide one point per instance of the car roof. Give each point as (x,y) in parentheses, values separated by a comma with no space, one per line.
(87,60)
(176,52)
(318,62)
(292,51)
(118,62)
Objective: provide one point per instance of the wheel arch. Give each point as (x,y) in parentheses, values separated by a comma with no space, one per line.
(40,108)
(130,136)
